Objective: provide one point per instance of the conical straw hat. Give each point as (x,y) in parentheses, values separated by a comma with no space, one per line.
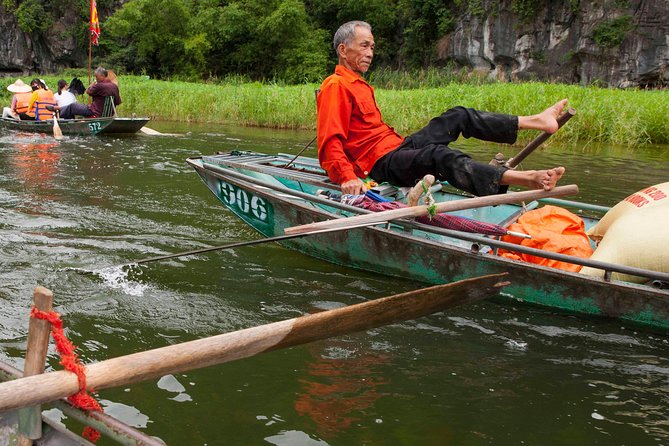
(19,87)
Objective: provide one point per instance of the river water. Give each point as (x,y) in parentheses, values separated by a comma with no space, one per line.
(494,373)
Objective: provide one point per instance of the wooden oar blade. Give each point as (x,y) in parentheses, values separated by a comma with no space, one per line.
(137,367)
(448,206)
(393,309)
(57,132)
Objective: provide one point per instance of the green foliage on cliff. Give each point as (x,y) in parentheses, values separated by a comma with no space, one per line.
(526,9)
(611,33)
(32,17)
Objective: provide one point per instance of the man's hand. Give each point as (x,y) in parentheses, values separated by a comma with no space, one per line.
(353,187)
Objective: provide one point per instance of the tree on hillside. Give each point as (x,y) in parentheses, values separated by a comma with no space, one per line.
(150,36)
(197,38)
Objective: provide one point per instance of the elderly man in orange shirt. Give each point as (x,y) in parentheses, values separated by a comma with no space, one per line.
(355,143)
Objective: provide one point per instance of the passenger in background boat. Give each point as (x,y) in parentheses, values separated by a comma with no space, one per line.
(19,107)
(64,97)
(41,98)
(76,87)
(98,91)
(354,142)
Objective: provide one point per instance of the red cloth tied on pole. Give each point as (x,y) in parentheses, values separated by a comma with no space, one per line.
(94,25)
(70,360)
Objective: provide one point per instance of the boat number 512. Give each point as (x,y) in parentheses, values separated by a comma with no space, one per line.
(94,126)
(239,199)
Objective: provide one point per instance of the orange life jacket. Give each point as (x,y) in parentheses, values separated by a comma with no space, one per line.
(22,101)
(44,98)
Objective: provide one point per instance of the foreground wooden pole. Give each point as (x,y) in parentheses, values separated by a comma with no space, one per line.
(228,347)
(447,206)
(30,418)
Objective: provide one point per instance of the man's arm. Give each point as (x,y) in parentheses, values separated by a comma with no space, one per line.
(334,117)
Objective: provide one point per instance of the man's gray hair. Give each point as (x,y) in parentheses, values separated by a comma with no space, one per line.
(346,32)
(101,71)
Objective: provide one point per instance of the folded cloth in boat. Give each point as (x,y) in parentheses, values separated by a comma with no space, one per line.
(552,229)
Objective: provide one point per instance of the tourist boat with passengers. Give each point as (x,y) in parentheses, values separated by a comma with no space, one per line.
(272,193)
(73,127)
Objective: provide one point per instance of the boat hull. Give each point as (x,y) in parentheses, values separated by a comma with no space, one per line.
(401,253)
(125,126)
(74,127)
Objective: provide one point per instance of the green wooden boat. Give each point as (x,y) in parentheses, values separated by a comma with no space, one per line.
(75,127)
(125,126)
(265,194)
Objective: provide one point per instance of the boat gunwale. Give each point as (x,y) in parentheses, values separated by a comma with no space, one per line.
(477,239)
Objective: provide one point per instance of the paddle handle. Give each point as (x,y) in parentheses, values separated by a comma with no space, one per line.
(536,142)
(447,206)
(227,347)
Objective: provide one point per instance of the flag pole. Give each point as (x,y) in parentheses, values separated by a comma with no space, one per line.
(90,41)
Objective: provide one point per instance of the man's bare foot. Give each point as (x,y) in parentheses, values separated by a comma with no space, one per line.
(546,120)
(547,179)
(533,179)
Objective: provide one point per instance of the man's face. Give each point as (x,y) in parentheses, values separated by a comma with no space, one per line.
(357,55)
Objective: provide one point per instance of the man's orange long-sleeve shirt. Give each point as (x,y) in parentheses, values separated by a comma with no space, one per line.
(351,133)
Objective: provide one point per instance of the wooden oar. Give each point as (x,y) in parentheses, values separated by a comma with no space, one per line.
(227,347)
(150,131)
(57,132)
(448,206)
(278,238)
(536,142)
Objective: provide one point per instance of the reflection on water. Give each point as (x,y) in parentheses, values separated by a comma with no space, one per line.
(486,374)
(340,387)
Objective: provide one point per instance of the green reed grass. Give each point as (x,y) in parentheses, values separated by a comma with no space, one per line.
(625,117)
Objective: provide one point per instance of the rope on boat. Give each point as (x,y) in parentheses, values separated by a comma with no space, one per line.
(70,361)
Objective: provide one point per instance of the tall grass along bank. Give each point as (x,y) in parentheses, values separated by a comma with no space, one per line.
(625,117)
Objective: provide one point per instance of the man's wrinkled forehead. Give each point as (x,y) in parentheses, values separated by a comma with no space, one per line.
(363,36)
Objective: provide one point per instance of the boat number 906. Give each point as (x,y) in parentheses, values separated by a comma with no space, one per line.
(243,202)
(94,126)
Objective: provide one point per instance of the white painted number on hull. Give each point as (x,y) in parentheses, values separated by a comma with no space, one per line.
(240,200)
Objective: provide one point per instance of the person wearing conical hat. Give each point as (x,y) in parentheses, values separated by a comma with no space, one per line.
(20,101)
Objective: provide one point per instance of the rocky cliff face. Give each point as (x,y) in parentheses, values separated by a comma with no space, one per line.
(617,43)
(23,54)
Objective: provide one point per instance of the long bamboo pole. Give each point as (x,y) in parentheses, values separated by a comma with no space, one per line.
(448,206)
(240,344)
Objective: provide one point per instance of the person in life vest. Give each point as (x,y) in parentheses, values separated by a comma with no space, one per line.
(19,107)
(41,98)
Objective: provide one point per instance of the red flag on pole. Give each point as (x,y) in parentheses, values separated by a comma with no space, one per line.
(95,24)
